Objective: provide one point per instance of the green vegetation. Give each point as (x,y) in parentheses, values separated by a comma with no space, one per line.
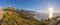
(20,17)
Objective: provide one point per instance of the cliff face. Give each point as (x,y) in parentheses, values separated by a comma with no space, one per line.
(1,13)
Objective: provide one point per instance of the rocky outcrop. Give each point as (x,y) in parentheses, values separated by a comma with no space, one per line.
(1,13)
(57,22)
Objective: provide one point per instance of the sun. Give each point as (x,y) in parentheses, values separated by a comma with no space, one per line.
(50,12)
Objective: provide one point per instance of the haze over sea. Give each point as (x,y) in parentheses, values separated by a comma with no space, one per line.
(46,15)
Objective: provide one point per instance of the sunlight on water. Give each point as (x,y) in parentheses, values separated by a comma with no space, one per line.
(50,12)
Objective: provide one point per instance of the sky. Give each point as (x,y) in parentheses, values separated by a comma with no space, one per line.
(32,5)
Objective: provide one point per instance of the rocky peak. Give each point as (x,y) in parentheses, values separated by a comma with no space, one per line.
(9,6)
(1,13)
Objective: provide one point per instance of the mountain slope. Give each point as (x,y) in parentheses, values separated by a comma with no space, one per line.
(13,16)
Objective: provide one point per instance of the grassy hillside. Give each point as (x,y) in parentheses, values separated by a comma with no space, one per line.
(13,16)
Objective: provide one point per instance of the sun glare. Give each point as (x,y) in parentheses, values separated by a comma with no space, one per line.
(50,12)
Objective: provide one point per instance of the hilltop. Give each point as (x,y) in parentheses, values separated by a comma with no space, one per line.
(12,16)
